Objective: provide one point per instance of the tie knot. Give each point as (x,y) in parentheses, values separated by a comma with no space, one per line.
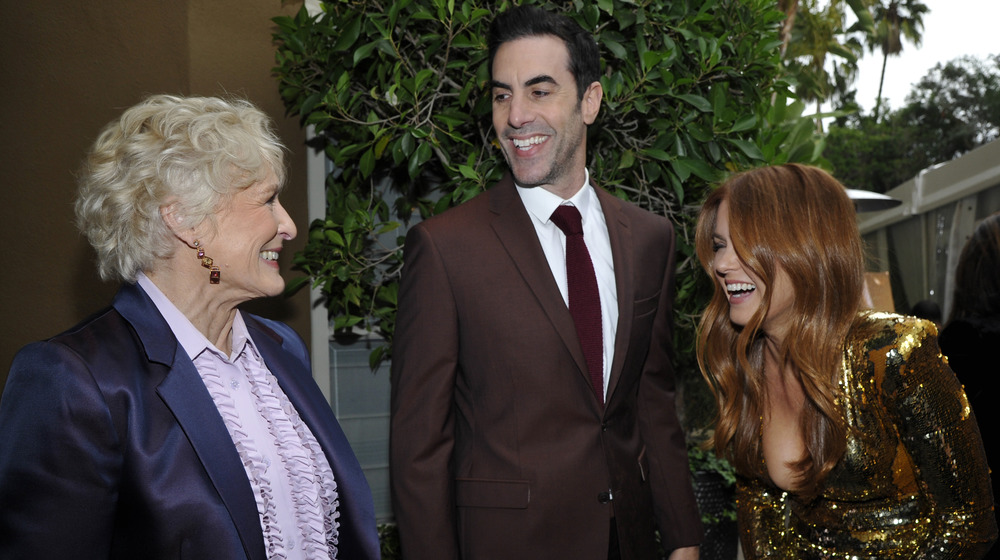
(568,219)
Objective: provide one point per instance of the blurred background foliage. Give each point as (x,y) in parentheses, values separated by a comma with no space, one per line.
(952,110)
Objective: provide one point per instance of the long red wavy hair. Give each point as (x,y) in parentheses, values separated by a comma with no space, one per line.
(800,219)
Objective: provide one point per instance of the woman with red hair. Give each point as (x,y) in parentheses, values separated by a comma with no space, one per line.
(850,435)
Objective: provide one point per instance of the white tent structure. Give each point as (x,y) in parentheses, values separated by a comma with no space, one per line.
(919,241)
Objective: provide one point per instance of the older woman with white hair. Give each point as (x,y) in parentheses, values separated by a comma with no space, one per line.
(171,424)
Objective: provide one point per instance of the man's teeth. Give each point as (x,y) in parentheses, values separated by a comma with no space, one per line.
(740,287)
(269,255)
(529,142)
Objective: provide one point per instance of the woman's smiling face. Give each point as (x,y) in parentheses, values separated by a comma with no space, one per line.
(745,290)
(248,236)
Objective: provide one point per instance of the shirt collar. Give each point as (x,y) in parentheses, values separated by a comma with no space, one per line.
(541,203)
(189,337)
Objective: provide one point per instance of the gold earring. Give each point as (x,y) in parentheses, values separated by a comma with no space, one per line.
(214,274)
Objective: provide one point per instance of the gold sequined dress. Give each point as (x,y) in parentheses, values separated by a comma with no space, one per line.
(913,482)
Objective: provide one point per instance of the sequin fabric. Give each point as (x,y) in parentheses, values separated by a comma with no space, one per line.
(913,482)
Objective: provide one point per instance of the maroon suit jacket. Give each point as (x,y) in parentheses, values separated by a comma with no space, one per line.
(499,447)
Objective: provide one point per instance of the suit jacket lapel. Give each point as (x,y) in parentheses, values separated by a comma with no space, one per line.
(356,507)
(513,226)
(185,394)
(620,234)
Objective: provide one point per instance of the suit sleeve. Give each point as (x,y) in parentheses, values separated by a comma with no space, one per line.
(60,459)
(424,368)
(670,479)
(939,431)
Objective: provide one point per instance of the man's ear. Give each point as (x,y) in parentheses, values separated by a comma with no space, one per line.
(590,105)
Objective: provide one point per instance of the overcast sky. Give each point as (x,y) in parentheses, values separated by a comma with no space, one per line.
(952,28)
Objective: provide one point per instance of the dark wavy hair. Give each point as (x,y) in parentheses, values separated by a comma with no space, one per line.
(977,278)
(800,220)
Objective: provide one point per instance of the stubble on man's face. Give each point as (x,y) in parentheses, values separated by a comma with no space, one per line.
(537,114)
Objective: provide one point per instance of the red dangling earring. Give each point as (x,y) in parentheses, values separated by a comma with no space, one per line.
(214,274)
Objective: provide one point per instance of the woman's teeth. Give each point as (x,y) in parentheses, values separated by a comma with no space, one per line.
(269,255)
(740,287)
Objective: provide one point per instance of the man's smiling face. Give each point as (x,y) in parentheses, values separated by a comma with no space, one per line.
(541,123)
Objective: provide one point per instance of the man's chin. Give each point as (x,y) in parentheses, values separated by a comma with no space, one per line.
(527,181)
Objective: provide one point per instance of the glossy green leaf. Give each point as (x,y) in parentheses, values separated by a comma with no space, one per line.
(367,163)
(364,52)
(348,36)
(749,149)
(696,101)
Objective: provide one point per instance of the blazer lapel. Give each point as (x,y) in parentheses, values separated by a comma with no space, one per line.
(516,232)
(358,538)
(184,393)
(620,234)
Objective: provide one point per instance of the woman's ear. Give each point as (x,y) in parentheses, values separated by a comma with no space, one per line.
(173,218)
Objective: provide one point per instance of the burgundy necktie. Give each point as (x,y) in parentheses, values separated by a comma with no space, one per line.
(584,299)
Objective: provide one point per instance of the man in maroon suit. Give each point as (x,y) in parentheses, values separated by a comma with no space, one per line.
(532,410)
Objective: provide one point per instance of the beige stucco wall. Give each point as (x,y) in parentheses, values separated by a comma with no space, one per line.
(69,67)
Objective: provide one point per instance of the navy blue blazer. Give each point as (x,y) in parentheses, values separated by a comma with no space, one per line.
(111,446)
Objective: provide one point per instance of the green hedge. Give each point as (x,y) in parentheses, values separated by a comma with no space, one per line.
(397,92)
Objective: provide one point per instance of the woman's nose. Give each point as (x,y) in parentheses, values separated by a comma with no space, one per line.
(286,227)
(724,261)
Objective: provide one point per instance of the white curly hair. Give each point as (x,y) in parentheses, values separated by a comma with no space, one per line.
(194,152)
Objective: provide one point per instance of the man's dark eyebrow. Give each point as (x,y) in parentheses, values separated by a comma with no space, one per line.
(543,79)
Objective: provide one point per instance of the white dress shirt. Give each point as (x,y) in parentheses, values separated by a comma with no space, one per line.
(540,204)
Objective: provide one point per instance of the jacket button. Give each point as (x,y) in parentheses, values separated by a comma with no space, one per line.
(604,426)
(605,497)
